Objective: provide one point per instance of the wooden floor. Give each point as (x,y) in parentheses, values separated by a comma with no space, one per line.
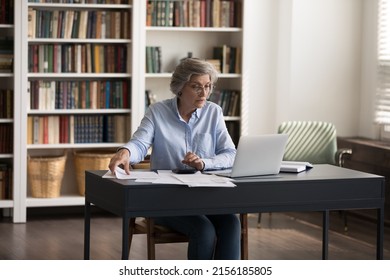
(283,236)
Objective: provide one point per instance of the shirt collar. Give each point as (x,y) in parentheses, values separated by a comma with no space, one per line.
(174,106)
(197,113)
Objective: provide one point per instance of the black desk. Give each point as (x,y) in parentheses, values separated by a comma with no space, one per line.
(323,188)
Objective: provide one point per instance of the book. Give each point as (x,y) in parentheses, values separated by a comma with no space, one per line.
(82,32)
(69,18)
(295,166)
(31,23)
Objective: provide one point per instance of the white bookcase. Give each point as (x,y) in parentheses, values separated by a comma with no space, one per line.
(38,71)
(7,123)
(175,43)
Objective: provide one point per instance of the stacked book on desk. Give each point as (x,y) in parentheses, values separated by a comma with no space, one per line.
(295,166)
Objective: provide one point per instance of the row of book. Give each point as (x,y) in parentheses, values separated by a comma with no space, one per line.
(153,59)
(61,129)
(6,54)
(6,103)
(7,11)
(194,13)
(6,138)
(77,58)
(226,59)
(99,94)
(229,58)
(82,1)
(228,100)
(79,24)
(6,181)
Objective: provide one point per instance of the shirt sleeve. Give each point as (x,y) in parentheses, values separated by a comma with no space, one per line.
(225,150)
(141,140)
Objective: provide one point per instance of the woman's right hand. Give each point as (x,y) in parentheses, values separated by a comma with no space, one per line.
(122,157)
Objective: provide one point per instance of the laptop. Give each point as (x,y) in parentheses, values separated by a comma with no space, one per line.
(256,156)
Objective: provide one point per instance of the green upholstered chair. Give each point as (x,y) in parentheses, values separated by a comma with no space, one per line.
(314,142)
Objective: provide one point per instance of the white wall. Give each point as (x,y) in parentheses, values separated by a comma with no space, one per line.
(368,77)
(259,64)
(306,61)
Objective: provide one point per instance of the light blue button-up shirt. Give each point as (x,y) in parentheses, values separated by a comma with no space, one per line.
(170,137)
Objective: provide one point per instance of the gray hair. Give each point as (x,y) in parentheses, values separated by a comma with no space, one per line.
(188,67)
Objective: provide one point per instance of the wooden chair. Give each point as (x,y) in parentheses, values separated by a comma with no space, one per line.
(314,142)
(160,235)
(156,234)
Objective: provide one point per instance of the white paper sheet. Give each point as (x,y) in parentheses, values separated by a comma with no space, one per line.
(168,177)
(109,175)
(121,174)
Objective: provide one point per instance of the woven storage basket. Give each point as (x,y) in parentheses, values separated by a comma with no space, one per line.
(89,161)
(45,175)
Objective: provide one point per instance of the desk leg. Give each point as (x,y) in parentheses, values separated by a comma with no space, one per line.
(380,232)
(125,238)
(87,229)
(325,234)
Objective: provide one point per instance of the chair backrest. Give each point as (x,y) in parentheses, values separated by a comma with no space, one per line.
(312,141)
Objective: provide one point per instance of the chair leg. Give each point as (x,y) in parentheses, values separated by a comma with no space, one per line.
(244,236)
(259,221)
(150,236)
(345,221)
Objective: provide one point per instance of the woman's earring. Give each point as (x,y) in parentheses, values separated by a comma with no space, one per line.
(179,93)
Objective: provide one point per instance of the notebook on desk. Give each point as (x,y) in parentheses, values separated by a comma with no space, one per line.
(295,166)
(256,156)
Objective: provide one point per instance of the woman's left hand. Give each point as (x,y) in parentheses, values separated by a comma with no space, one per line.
(193,160)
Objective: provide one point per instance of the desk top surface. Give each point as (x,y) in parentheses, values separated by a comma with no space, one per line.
(322,187)
(318,172)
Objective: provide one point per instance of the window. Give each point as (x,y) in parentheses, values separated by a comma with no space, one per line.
(382,110)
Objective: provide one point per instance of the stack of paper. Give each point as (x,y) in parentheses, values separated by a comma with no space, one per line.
(168,177)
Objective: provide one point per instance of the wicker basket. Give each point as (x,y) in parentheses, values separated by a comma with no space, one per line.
(95,160)
(45,175)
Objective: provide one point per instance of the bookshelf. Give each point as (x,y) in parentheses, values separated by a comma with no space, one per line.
(74,85)
(42,81)
(7,37)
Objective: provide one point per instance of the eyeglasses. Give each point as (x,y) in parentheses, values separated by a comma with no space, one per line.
(208,89)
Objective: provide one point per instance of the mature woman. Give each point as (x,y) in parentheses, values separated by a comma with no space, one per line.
(189,131)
